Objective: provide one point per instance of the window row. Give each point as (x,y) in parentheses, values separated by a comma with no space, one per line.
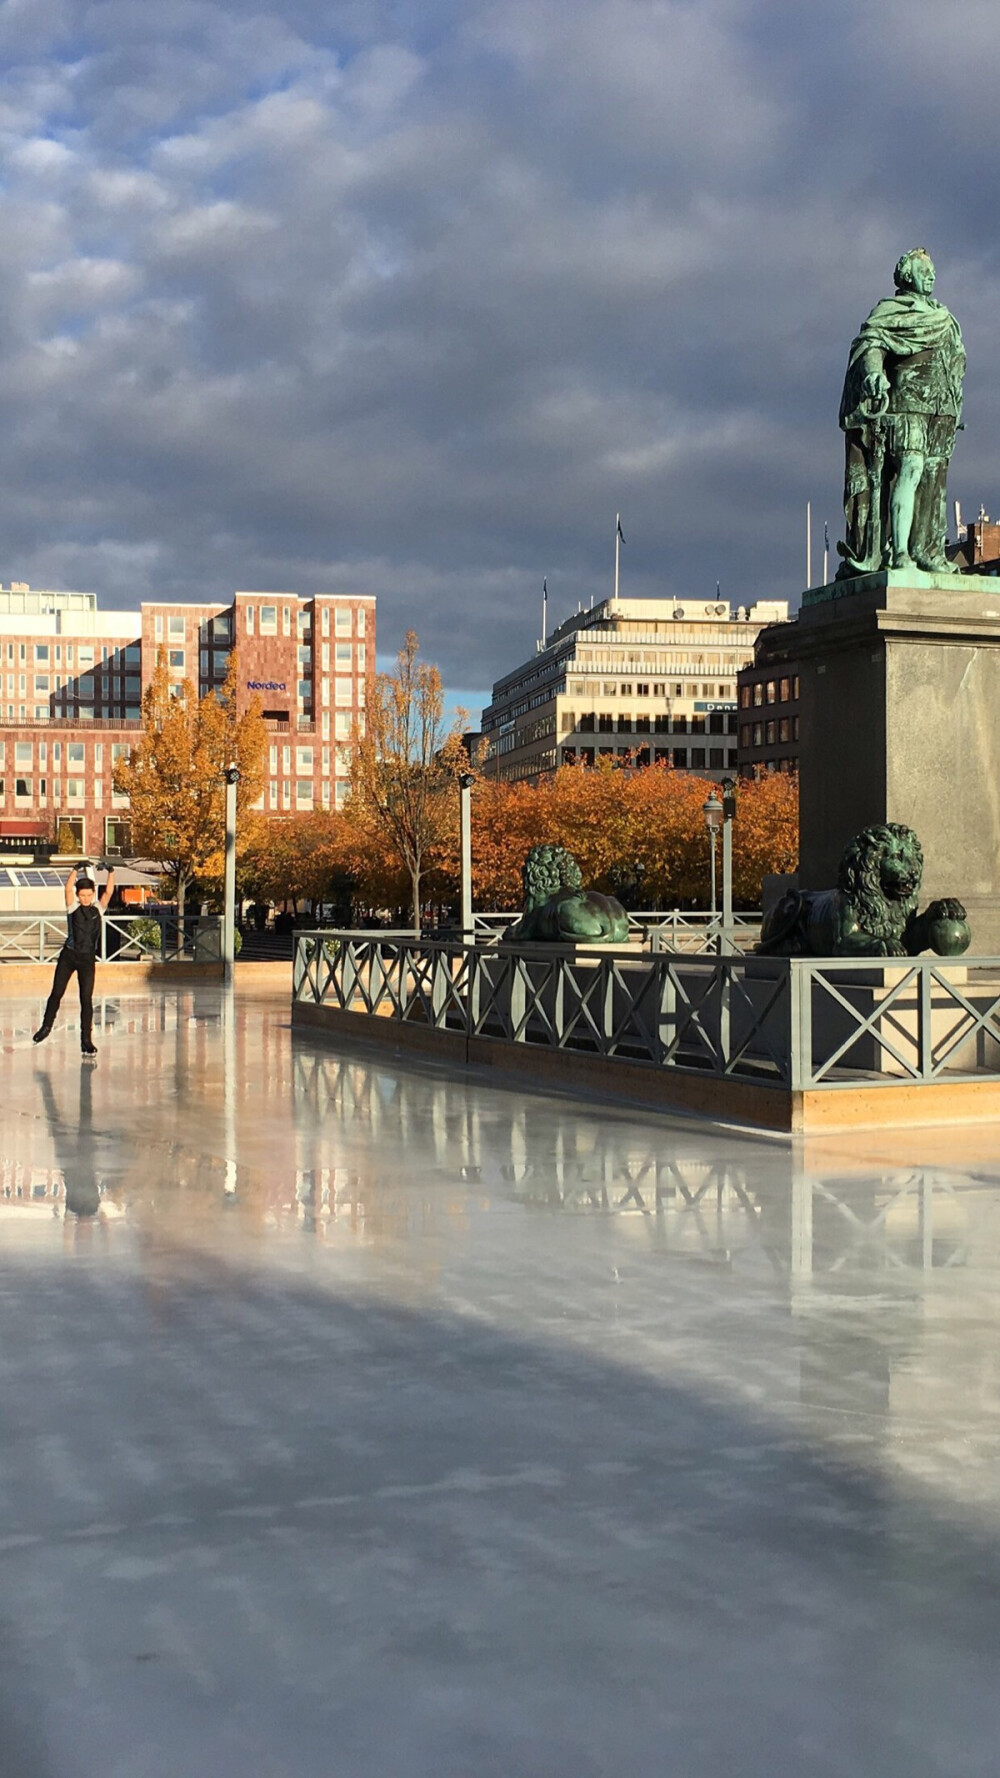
(606,723)
(769,691)
(769,734)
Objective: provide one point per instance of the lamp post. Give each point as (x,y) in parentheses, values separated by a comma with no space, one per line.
(232,777)
(728,817)
(465,782)
(711,808)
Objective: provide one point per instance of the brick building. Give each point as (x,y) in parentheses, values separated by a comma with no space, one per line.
(71,685)
(767,692)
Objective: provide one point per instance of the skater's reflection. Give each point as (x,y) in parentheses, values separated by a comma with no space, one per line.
(75,1148)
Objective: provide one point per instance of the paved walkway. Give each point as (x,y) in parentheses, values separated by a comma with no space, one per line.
(360,1422)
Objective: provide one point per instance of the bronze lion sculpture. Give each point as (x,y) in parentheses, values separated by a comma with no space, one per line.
(873,910)
(557,908)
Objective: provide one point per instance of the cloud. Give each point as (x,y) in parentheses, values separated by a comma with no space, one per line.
(410,299)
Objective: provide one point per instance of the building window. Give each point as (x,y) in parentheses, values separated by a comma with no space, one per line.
(715,725)
(744,697)
(324,620)
(758,734)
(157,634)
(698,758)
(269,620)
(795,725)
(745,735)
(642,725)
(642,691)
(606,722)
(286,620)
(624,725)
(305,691)
(341,621)
(772,692)
(75,825)
(659,690)
(587,722)
(175,628)
(770,733)
(343,654)
(785,690)
(175,659)
(784,729)
(22,787)
(625,691)
(343,691)
(795,687)
(681,757)
(42,652)
(303,790)
(249,618)
(304,759)
(716,758)
(662,724)
(758,694)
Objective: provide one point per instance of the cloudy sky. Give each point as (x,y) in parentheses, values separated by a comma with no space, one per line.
(409,296)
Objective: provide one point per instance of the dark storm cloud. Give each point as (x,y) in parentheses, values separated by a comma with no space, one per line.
(410,298)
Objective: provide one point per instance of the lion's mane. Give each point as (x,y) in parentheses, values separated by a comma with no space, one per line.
(546,870)
(880,911)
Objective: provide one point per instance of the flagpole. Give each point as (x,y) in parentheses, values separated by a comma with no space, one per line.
(826,553)
(618,545)
(545,611)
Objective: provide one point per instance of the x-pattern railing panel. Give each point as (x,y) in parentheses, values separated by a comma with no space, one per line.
(707,1015)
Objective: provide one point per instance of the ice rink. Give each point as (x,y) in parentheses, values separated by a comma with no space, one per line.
(366,1421)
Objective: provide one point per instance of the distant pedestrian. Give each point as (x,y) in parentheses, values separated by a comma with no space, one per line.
(79,954)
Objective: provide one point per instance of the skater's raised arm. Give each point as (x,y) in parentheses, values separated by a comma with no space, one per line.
(69,889)
(109,888)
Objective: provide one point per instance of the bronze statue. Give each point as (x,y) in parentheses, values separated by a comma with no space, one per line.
(900,410)
(873,910)
(557,908)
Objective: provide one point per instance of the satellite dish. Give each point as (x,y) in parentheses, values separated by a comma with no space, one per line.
(721,610)
(678,611)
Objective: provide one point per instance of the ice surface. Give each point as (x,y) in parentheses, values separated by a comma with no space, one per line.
(363,1421)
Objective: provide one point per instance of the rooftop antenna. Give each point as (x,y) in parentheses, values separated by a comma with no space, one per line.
(545,611)
(826,552)
(619,540)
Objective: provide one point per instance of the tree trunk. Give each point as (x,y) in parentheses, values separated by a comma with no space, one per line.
(415,897)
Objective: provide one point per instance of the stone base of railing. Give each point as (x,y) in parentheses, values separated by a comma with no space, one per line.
(619,1081)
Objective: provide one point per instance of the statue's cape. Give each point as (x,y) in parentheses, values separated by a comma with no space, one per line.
(901,326)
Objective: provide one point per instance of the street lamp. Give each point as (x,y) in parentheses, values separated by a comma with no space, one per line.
(232,777)
(465,782)
(711,808)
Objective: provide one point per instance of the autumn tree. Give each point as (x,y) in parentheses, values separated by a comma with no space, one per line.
(173,775)
(404,764)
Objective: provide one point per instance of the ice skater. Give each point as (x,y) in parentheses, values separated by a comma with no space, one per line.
(84,909)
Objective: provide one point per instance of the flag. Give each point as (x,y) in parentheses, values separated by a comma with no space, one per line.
(618,523)
(826,536)
(545,589)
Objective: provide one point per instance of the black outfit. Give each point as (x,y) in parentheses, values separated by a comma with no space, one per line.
(79,955)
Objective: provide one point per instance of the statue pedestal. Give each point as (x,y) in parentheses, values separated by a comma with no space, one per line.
(900,721)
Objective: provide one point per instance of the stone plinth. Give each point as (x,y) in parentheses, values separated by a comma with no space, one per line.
(900,721)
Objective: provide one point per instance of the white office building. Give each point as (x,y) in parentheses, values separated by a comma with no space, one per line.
(637,681)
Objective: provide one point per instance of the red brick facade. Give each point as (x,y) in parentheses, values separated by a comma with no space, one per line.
(71,687)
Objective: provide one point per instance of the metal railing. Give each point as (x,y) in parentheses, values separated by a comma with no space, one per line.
(38,938)
(685,933)
(799,1023)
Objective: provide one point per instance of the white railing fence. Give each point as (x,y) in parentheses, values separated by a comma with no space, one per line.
(125,938)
